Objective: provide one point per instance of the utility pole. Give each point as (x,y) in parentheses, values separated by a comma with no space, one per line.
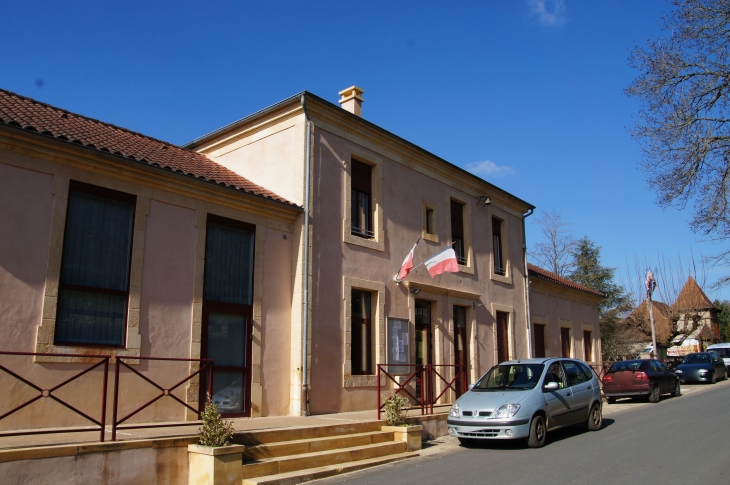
(650,286)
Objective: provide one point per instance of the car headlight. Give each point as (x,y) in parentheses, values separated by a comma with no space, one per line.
(454,411)
(506,411)
(678,371)
(703,371)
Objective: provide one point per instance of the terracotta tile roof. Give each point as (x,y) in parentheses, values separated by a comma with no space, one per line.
(693,298)
(42,118)
(543,274)
(662,322)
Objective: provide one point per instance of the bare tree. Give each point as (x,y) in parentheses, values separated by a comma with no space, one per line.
(675,311)
(684,128)
(555,251)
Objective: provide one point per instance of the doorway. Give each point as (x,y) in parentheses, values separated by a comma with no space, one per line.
(565,341)
(460,346)
(424,342)
(228,312)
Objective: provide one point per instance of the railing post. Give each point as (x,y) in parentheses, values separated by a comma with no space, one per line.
(103,398)
(378,400)
(116,397)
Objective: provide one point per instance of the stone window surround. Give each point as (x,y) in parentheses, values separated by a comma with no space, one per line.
(425,235)
(377,327)
(378,240)
(466,200)
(45,336)
(510,311)
(496,213)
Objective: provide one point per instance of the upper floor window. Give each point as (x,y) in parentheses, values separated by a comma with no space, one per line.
(361,202)
(457,231)
(97,251)
(430,227)
(497,243)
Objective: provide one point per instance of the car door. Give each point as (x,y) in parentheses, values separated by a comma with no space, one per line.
(582,390)
(718,364)
(559,402)
(663,377)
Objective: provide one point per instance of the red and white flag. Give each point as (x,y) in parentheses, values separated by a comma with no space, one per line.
(407,265)
(441,262)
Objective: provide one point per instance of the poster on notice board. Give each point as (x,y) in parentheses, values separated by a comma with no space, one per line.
(397,346)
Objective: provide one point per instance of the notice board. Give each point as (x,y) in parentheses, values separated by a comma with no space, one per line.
(398,339)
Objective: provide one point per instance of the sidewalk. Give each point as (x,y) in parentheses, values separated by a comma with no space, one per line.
(239,424)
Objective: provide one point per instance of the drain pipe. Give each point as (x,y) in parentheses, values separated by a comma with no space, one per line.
(527,284)
(305,305)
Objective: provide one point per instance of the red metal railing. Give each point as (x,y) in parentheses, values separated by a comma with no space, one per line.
(423,376)
(206,363)
(48,393)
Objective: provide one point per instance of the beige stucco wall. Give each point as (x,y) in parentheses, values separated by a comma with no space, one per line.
(168,239)
(559,307)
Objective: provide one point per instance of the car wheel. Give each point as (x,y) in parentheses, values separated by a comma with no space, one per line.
(611,400)
(676,392)
(538,432)
(467,441)
(654,396)
(713,379)
(595,418)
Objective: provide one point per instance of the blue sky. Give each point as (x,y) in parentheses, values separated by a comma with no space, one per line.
(527,94)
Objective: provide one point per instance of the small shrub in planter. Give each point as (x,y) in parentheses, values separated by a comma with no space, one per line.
(215,432)
(396,408)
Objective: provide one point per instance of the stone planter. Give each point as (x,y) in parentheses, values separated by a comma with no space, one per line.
(410,434)
(215,466)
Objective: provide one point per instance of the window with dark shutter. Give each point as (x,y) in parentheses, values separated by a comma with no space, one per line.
(361,183)
(587,346)
(497,243)
(97,250)
(539,340)
(457,231)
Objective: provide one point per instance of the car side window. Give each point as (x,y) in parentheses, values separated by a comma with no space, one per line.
(715,357)
(574,373)
(555,374)
(660,366)
(587,371)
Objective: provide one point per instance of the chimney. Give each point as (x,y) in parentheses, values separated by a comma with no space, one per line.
(351,99)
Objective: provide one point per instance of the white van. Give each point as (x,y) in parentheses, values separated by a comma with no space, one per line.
(723,350)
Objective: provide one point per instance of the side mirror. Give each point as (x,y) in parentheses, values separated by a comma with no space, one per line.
(471,386)
(551,386)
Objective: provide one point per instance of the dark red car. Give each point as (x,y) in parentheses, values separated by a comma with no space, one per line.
(639,378)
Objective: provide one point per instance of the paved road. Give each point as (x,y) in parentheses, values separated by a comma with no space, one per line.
(678,440)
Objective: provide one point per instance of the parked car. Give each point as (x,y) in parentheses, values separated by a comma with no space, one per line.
(723,350)
(525,399)
(702,367)
(647,378)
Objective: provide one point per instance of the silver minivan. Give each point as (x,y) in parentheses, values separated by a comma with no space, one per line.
(524,399)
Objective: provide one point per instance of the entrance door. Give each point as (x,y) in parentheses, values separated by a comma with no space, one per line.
(502,337)
(424,342)
(539,340)
(228,312)
(460,356)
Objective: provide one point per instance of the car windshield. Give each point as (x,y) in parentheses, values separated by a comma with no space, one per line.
(513,377)
(626,365)
(697,359)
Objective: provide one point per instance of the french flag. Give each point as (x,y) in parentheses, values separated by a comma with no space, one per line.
(407,265)
(441,262)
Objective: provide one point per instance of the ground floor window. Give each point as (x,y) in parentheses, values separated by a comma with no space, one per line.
(587,346)
(539,331)
(361,333)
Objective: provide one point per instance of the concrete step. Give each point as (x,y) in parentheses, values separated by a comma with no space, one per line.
(253,438)
(298,447)
(304,461)
(305,475)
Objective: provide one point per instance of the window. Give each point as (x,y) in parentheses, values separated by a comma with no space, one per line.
(565,342)
(497,243)
(502,336)
(574,373)
(361,202)
(457,231)
(430,228)
(539,340)
(97,249)
(361,337)
(555,374)
(587,346)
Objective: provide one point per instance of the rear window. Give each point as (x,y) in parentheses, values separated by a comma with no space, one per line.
(722,352)
(626,365)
